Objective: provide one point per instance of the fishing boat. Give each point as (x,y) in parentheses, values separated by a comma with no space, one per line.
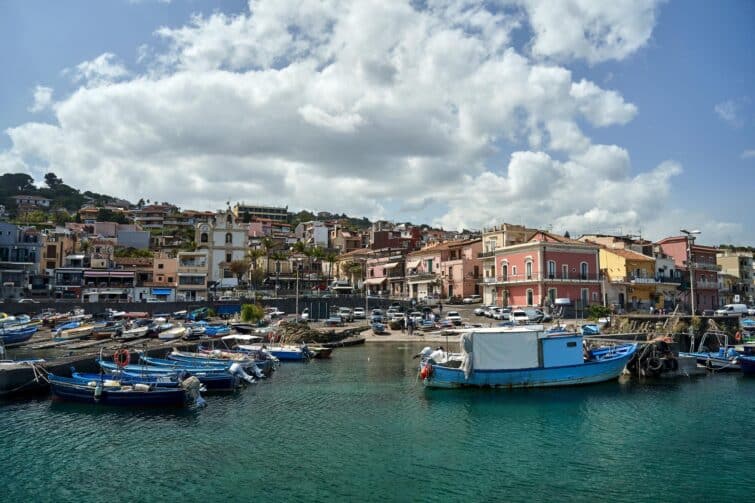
(244,328)
(107,330)
(590,329)
(214,379)
(134,333)
(726,358)
(173,333)
(79,332)
(117,393)
(519,357)
(164,381)
(320,352)
(282,352)
(14,336)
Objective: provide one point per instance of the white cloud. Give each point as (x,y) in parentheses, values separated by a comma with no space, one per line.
(590,30)
(42,99)
(104,69)
(748,154)
(359,107)
(730,112)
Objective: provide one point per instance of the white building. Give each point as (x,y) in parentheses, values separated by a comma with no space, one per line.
(313,233)
(223,241)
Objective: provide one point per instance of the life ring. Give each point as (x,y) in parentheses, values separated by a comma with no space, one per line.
(122,358)
(738,337)
(427,371)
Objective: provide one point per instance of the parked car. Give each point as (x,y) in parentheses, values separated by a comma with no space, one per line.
(416,316)
(751,310)
(535,315)
(472,299)
(28,301)
(502,313)
(732,309)
(346,314)
(519,316)
(454,317)
(304,314)
(490,311)
(359,313)
(480,310)
(334,321)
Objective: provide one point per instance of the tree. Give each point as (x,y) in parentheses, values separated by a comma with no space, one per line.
(253,255)
(85,245)
(354,269)
(52,181)
(239,268)
(107,215)
(256,278)
(140,204)
(330,258)
(267,245)
(13,184)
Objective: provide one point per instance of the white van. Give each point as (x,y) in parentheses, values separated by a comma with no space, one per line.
(732,309)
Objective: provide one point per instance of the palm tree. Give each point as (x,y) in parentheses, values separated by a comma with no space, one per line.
(267,245)
(354,269)
(330,258)
(278,256)
(253,255)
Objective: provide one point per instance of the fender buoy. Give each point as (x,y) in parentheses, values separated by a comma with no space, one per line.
(426,371)
(655,364)
(738,337)
(122,358)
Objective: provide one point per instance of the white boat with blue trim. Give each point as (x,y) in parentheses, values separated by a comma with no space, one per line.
(522,357)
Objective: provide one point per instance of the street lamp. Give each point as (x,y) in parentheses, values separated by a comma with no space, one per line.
(691,266)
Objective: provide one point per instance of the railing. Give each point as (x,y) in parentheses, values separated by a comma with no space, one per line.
(421,276)
(524,278)
(701,266)
(710,285)
(486,254)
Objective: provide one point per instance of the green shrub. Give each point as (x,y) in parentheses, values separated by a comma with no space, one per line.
(597,311)
(252,313)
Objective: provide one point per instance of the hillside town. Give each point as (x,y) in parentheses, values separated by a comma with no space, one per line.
(159,252)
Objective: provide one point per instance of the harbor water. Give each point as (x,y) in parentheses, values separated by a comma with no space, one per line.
(360,427)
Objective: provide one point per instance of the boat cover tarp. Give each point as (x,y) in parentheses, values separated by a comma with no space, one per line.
(505,350)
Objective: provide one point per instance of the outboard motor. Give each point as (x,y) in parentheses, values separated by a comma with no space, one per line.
(235,369)
(193,387)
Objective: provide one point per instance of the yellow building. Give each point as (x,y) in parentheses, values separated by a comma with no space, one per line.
(629,278)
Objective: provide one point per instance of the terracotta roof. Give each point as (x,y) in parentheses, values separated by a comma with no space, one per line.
(446,245)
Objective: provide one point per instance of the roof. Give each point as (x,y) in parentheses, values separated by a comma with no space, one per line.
(133,261)
(445,245)
(629,254)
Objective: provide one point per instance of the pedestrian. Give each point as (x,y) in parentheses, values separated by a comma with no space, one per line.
(403,325)
(651,309)
(411,327)
(440,307)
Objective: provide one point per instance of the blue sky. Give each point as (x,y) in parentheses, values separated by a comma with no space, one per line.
(683,97)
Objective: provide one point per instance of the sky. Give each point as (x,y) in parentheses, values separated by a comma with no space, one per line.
(629,116)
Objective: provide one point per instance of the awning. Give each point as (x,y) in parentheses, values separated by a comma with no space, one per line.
(374,281)
(122,274)
(161,291)
(200,275)
(96,274)
(390,266)
(413,264)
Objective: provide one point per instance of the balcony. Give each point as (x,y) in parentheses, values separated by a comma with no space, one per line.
(702,266)
(486,254)
(707,285)
(424,277)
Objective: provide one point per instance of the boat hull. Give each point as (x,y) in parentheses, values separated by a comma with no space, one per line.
(571,375)
(71,390)
(747,363)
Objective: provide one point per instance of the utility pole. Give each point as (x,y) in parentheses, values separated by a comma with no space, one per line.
(691,266)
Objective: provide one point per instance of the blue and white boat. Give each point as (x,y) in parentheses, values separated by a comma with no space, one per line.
(163,381)
(521,357)
(726,358)
(116,393)
(214,379)
(17,335)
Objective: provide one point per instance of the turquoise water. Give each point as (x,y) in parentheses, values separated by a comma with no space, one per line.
(360,428)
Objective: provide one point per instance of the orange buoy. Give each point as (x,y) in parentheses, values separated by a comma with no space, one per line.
(122,358)
(738,337)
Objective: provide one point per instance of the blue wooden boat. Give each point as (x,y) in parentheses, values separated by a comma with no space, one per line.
(137,395)
(590,329)
(747,364)
(213,379)
(726,358)
(66,326)
(523,357)
(281,352)
(163,381)
(13,336)
(217,330)
(249,364)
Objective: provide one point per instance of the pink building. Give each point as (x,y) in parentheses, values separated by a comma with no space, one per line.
(449,269)
(703,262)
(385,275)
(544,268)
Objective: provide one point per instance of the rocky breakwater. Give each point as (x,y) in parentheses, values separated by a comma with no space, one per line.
(294,333)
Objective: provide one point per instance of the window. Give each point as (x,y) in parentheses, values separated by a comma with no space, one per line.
(203,238)
(551,269)
(160,266)
(513,270)
(564,271)
(530,296)
(170,279)
(585,297)
(552,294)
(583,270)
(228,257)
(429,265)
(228,238)
(528,269)
(504,272)
(594,296)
